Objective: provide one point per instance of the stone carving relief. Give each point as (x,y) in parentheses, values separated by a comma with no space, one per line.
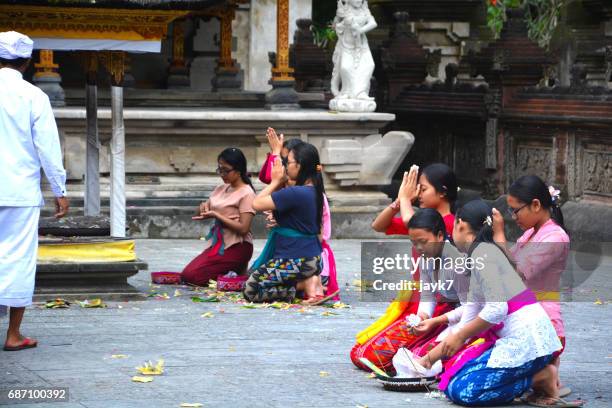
(534,160)
(597,172)
(182,160)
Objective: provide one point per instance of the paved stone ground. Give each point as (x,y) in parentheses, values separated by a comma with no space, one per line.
(251,358)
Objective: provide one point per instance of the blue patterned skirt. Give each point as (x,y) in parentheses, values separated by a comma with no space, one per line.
(478,385)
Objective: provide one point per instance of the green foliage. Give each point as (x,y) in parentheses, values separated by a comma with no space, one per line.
(542,16)
(324,36)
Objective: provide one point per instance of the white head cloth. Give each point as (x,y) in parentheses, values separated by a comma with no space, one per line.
(15,45)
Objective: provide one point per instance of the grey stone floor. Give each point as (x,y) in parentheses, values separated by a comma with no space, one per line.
(252,358)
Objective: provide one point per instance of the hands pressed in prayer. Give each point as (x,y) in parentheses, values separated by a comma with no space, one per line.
(409,188)
(498,224)
(278,172)
(275,141)
(61,206)
(451,344)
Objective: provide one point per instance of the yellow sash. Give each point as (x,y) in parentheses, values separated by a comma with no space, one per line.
(393,312)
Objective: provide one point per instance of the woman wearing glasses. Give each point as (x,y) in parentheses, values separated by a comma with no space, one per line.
(279,147)
(291,259)
(230,206)
(541,252)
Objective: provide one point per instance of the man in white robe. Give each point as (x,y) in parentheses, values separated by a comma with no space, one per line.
(29,140)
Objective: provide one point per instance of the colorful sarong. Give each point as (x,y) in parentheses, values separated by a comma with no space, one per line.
(482,342)
(381,348)
(478,385)
(276,279)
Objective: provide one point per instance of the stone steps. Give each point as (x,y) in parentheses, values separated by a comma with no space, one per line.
(165,210)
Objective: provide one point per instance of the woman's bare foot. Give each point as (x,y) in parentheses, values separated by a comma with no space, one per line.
(320,290)
(310,287)
(545,383)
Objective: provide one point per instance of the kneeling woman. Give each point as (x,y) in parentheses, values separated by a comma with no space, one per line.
(516,338)
(231,207)
(437,259)
(291,260)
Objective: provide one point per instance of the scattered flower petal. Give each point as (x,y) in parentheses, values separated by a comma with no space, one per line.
(207,314)
(323,374)
(149,369)
(57,303)
(191,405)
(142,379)
(119,356)
(327,313)
(92,303)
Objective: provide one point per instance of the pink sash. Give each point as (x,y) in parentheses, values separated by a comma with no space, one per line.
(332,283)
(470,352)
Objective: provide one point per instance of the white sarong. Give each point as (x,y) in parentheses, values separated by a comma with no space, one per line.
(18,249)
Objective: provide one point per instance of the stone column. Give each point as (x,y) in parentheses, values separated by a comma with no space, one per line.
(92,164)
(227,72)
(282,96)
(48,79)
(178,72)
(115,65)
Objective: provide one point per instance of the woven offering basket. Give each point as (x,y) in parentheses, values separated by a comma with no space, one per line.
(406,384)
(231,284)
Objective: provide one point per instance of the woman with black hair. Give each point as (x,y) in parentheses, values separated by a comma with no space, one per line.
(440,291)
(541,252)
(510,340)
(435,188)
(230,206)
(279,147)
(291,260)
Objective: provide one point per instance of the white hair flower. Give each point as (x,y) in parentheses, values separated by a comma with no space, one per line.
(554,194)
(488,221)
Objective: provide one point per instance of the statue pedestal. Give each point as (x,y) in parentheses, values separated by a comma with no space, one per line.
(282,96)
(352,105)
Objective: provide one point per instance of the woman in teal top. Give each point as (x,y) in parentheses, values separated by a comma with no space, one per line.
(291,260)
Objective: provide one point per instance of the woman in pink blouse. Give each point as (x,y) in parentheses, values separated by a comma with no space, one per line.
(230,206)
(541,252)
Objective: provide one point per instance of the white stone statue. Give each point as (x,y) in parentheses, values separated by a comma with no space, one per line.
(353,62)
